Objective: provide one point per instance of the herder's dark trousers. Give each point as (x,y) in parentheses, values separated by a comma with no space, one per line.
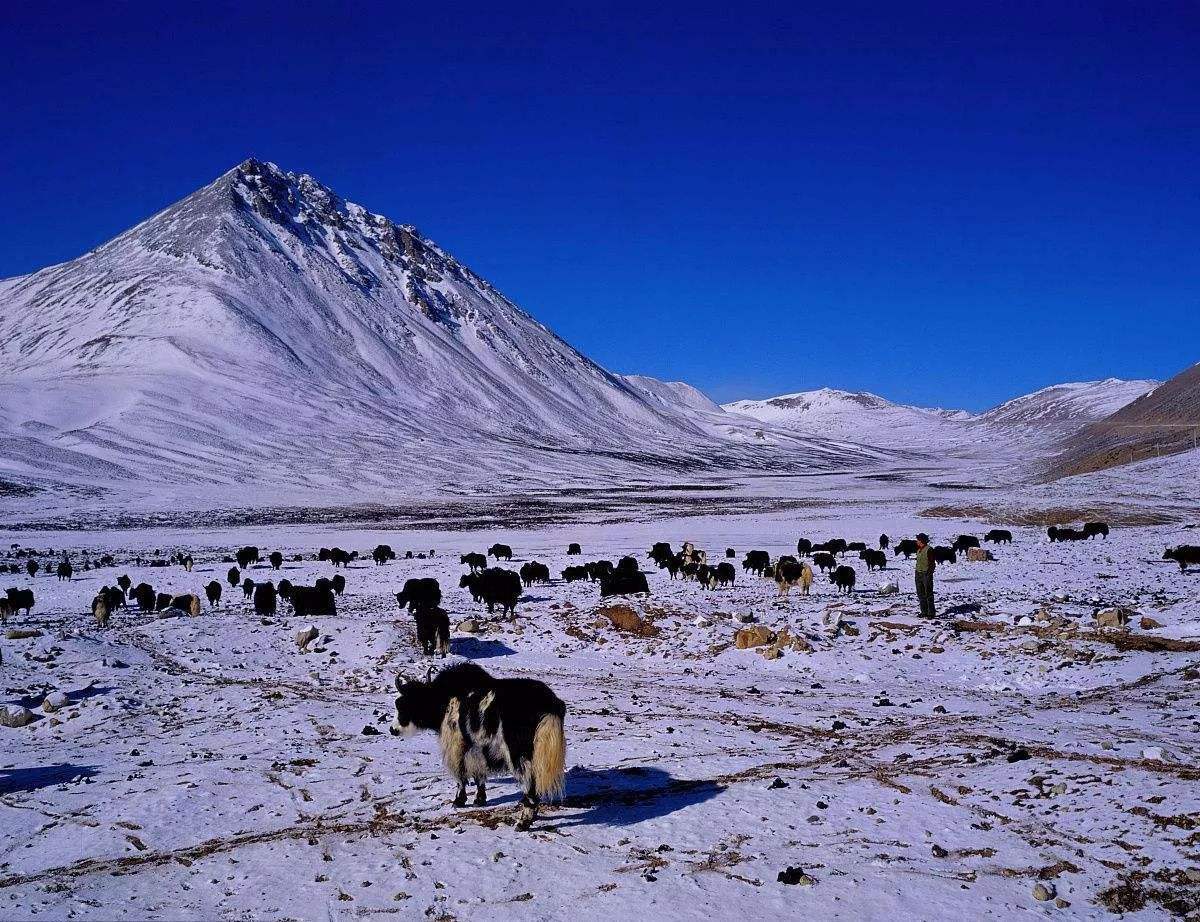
(925,592)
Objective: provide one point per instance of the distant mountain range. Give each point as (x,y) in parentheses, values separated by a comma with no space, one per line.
(265,341)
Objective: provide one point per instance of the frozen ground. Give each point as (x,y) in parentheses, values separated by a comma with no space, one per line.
(205,769)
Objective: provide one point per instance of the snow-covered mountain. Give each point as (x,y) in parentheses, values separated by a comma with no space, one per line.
(1071,404)
(1041,417)
(265,333)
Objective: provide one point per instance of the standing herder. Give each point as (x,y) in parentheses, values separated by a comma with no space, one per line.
(924,575)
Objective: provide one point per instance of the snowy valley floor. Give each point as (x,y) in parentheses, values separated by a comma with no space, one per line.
(203,768)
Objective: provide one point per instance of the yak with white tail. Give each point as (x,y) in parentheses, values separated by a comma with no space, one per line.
(486,726)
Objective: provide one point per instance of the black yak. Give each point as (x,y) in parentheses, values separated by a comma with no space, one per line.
(573,549)
(942,554)
(486,726)
(500,551)
(20,599)
(623,582)
(143,593)
(962,542)
(213,592)
(276,560)
(338,583)
(843,577)
(382,554)
(1185,555)
(312,600)
(875,560)
(234,576)
(264,598)
(433,631)
(474,561)
(248,587)
(804,547)
(999,536)
(824,561)
(64,571)
(1091,529)
(906,546)
(247,556)
(534,572)
(125,583)
(884,541)
(757,562)
(575,574)
(420,593)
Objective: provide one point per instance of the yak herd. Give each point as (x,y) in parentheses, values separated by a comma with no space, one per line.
(497,587)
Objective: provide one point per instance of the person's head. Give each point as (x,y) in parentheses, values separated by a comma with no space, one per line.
(922,539)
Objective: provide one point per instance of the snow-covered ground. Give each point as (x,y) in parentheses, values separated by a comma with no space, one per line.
(204,768)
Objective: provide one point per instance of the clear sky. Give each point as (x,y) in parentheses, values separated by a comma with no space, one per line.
(942,203)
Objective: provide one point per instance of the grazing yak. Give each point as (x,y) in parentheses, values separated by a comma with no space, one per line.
(187,562)
(574,574)
(338,583)
(804,547)
(843,577)
(500,551)
(276,560)
(534,572)
(1185,555)
(312,600)
(425,592)
(474,561)
(726,574)
(623,582)
(884,541)
(124,582)
(20,599)
(495,586)
(143,594)
(248,588)
(408,555)
(264,598)
(962,542)
(340,558)
(247,556)
(757,562)
(598,569)
(574,549)
(234,576)
(284,588)
(1065,534)
(433,631)
(382,554)
(906,546)
(64,571)
(730,553)
(789,573)
(32,568)
(661,553)
(185,603)
(722,574)
(488,726)
(213,592)
(628,565)
(999,536)
(1091,529)
(114,596)
(942,554)
(824,561)
(875,560)
(856,547)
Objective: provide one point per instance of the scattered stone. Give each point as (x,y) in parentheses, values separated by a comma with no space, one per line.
(744,617)
(627,621)
(1112,617)
(1043,891)
(305,637)
(939,852)
(370,730)
(55,701)
(979,555)
(1149,624)
(22,633)
(13,715)
(757,636)
(1020,754)
(777,784)
(467,626)
(891,587)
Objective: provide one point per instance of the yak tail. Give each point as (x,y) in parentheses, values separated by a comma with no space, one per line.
(549,757)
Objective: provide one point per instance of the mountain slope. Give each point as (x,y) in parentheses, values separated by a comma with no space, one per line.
(264,332)
(1162,421)
(1068,404)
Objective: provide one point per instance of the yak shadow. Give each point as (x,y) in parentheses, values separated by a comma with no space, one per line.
(967,608)
(23,780)
(624,796)
(474,648)
(531,599)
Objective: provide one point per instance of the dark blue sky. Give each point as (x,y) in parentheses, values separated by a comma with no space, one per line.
(944,203)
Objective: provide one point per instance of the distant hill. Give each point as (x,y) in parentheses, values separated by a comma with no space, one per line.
(1163,421)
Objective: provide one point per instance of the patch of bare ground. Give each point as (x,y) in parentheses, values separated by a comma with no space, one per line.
(1125,641)
(1053,515)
